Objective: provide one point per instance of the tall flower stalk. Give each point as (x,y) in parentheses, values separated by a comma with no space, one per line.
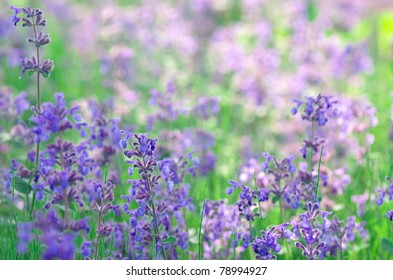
(33,18)
(143,190)
(315,111)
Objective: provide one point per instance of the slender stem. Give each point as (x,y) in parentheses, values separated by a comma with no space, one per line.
(37,152)
(98,237)
(282,221)
(38,73)
(311,163)
(234,248)
(100,213)
(250,229)
(200,231)
(65,195)
(319,176)
(66,214)
(341,248)
(156,229)
(259,203)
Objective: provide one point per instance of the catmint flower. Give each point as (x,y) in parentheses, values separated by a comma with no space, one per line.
(386,191)
(390,215)
(33,17)
(25,235)
(281,181)
(310,233)
(41,40)
(315,109)
(86,249)
(266,246)
(15,18)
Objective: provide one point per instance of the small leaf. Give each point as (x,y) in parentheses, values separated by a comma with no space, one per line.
(169,240)
(22,186)
(312,11)
(387,245)
(275,199)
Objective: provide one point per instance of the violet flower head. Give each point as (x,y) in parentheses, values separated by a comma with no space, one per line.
(247,200)
(266,246)
(25,235)
(385,191)
(33,18)
(315,109)
(104,197)
(86,249)
(310,233)
(390,215)
(281,180)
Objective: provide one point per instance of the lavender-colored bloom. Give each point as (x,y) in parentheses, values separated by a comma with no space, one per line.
(280,180)
(386,191)
(51,119)
(17,11)
(390,215)
(58,245)
(40,41)
(219,223)
(310,233)
(21,103)
(316,111)
(361,201)
(33,17)
(266,246)
(86,249)
(25,235)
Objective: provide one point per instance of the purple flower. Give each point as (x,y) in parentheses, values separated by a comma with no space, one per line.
(385,191)
(25,235)
(86,249)
(58,245)
(17,11)
(266,246)
(390,215)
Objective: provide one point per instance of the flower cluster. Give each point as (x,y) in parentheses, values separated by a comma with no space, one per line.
(315,111)
(33,18)
(310,233)
(318,237)
(266,246)
(157,198)
(386,191)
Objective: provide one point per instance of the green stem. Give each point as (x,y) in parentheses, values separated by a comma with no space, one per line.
(66,211)
(37,152)
(319,176)
(282,221)
(341,248)
(311,163)
(98,237)
(259,203)
(65,195)
(156,228)
(200,231)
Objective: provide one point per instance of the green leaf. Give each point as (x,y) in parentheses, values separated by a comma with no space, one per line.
(22,186)
(387,245)
(275,199)
(312,12)
(169,240)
